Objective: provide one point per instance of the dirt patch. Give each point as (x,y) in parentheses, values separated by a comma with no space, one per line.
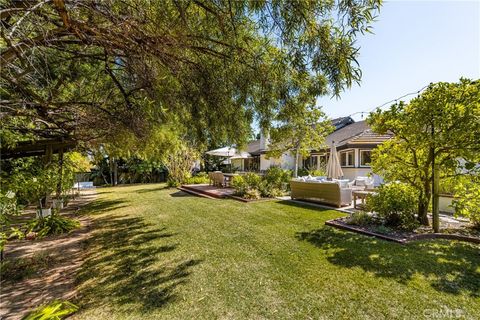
(52,265)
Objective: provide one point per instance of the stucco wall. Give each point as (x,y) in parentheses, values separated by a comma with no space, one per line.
(264,163)
(352,173)
(444,204)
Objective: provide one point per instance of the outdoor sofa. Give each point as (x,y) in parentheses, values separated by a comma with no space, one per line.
(335,193)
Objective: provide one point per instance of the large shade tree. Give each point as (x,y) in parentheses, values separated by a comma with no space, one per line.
(90,70)
(438,131)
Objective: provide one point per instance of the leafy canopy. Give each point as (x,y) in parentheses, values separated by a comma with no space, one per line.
(441,125)
(92,70)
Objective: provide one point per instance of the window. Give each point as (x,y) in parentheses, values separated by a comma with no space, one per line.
(310,163)
(365,158)
(322,161)
(346,158)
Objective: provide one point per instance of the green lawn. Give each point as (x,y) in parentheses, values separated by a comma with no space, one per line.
(159,253)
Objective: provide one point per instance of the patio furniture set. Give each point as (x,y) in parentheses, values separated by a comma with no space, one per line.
(220,179)
(334,192)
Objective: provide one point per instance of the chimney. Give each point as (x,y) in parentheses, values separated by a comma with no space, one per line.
(264,141)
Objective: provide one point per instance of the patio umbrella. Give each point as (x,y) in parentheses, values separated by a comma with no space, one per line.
(334,170)
(223,152)
(241,155)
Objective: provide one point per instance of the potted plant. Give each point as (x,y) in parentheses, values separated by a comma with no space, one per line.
(40,187)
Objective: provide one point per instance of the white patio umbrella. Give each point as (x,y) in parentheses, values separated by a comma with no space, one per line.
(223,152)
(241,155)
(334,170)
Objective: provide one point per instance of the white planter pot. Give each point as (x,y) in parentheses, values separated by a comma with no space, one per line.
(58,204)
(45,213)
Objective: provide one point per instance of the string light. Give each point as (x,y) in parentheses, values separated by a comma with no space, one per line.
(388,102)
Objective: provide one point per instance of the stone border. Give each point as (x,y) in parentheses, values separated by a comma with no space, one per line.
(339,224)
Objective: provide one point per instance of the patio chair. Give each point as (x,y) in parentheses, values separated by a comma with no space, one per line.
(218,179)
(211,178)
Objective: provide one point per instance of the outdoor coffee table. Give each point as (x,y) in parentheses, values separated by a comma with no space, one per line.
(361,194)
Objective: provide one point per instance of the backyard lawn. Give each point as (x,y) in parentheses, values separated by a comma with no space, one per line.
(161,253)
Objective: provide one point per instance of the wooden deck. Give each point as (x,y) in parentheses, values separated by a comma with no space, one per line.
(208,191)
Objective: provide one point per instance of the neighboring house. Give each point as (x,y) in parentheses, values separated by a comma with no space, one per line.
(354,142)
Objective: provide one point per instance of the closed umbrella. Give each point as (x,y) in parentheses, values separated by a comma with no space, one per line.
(334,170)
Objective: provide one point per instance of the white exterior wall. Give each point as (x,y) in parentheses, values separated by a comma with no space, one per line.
(352,173)
(288,161)
(264,162)
(444,204)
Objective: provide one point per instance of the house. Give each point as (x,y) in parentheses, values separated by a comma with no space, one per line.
(354,142)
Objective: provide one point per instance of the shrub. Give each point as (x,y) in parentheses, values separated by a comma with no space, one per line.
(199,178)
(240,185)
(172,183)
(53,311)
(467,202)
(252,180)
(252,194)
(317,173)
(360,218)
(53,224)
(396,204)
(277,178)
(301,172)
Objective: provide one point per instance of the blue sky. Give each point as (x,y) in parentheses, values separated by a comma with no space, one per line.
(415,43)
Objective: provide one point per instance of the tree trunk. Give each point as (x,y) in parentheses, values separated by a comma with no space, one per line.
(424,201)
(295,171)
(436,199)
(60,173)
(46,162)
(115,172)
(110,165)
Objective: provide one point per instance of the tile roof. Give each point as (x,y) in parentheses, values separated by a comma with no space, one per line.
(356,133)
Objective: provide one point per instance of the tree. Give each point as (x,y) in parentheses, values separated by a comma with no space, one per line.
(300,130)
(90,70)
(435,132)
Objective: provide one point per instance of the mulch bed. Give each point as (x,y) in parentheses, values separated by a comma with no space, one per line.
(403,237)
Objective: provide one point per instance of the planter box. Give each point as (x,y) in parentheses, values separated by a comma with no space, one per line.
(45,212)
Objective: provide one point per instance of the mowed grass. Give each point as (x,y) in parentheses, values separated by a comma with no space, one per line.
(158,253)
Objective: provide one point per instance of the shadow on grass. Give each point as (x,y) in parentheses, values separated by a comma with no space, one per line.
(151,190)
(449,266)
(180,194)
(126,265)
(307,205)
(100,206)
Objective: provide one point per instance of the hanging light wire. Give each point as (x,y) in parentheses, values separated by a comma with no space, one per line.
(388,102)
